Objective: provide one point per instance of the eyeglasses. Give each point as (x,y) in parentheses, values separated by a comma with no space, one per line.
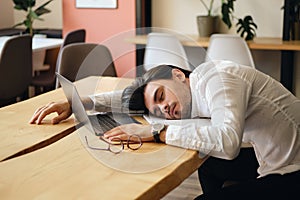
(134,142)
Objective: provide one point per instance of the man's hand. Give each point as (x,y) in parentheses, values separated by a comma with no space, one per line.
(124,131)
(63,109)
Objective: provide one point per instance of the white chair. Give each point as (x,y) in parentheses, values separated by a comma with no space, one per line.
(164,48)
(229,47)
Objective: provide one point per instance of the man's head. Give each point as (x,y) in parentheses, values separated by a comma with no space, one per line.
(163,91)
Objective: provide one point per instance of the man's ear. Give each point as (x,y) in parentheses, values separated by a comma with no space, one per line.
(177,74)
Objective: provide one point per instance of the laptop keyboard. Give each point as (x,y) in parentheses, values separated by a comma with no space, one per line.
(105,122)
(102,123)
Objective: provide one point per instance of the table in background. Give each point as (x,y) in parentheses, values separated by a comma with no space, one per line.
(259,43)
(50,46)
(63,169)
(37,43)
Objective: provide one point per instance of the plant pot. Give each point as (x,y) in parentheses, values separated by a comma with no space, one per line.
(207,25)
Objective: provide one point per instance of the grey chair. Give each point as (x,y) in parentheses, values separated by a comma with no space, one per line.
(45,80)
(80,60)
(15,69)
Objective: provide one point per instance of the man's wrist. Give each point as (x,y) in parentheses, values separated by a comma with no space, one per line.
(162,135)
(156,129)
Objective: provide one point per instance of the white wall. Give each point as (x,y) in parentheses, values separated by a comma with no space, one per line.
(180,16)
(6,14)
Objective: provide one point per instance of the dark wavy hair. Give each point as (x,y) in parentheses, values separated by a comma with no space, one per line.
(133,95)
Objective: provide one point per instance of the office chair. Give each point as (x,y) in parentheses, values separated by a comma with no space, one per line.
(229,47)
(15,69)
(80,60)
(164,48)
(74,37)
(45,80)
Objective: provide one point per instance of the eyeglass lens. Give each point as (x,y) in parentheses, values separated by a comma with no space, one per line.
(117,148)
(134,142)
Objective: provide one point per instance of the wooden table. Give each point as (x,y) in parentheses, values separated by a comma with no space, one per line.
(259,43)
(63,168)
(38,44)
(17,136)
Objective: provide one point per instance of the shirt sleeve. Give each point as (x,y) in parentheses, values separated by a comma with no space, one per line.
(227,96)
(106,101)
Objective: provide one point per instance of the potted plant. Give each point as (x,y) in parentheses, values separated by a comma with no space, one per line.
(246,26)
(32,14)
(207,24)
(38,57)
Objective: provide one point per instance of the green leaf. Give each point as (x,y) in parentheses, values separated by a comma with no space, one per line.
(33,15)
(42,10)
(23,4)
(247,26)
(19,24)
(225,15)
(230,4)
(27,22)
(18,7)
(227,10)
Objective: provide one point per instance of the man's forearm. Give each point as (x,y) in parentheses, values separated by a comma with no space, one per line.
(87,103)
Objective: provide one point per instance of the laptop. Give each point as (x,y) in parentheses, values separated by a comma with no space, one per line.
(97,124)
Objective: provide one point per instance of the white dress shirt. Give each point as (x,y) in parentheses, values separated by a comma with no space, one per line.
(245,105)
(107,101)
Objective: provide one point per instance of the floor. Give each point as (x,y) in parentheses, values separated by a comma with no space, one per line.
(189,189)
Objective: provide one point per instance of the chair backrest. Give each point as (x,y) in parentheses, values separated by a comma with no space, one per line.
(164,48)
(74,37)
(229,47)
(15,67)
(80,60)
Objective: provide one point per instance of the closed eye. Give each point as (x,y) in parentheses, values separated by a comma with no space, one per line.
(161,98)
(159,95)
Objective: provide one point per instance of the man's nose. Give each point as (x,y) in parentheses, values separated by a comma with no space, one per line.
(164,107)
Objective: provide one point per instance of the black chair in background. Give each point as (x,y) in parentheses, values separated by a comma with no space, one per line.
(46,80)
(80,60)
(15,69)
(74,37)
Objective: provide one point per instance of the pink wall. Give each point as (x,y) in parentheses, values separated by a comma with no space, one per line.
(110,27)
